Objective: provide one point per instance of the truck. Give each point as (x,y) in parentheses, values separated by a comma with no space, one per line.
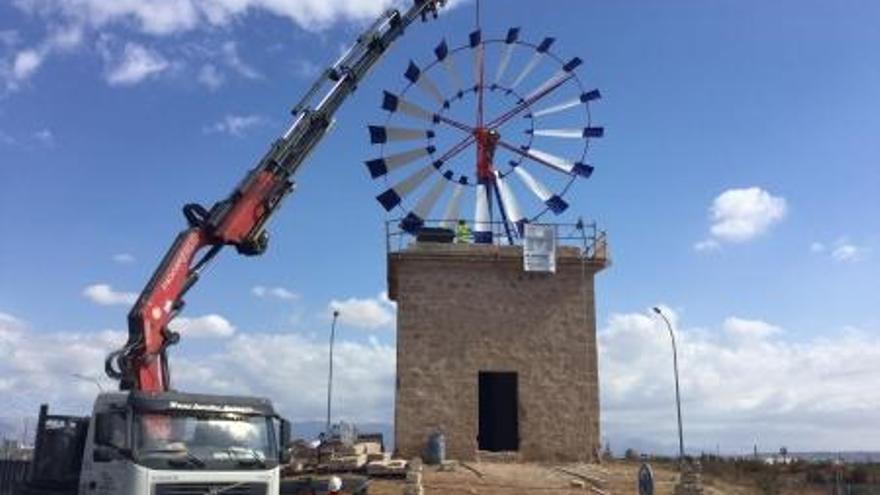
(149,439)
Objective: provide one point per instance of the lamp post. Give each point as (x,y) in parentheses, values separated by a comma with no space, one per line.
(677,394)
(330,374)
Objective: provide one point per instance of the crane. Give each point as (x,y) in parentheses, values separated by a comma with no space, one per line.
(240,219)
(147,438)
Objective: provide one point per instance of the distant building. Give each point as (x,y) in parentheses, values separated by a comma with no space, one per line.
(498,359)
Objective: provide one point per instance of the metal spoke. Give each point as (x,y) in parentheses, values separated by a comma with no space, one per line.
(454,123)
(528,102)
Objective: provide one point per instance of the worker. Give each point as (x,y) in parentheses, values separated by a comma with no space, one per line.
(462,233)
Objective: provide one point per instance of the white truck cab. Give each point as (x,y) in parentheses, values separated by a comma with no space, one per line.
(168,443)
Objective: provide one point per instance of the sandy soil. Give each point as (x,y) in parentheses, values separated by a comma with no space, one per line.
(617,478)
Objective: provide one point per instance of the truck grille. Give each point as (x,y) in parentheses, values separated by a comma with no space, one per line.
(211,489)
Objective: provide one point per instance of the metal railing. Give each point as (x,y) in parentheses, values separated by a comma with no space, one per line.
(587,236)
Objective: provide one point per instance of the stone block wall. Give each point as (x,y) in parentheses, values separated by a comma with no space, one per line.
(468,308)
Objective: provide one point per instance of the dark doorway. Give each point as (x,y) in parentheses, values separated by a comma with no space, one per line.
(499,412)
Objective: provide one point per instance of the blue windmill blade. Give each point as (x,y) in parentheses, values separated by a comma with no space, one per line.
(393,103)
(380,134)
(556,204)
(575,102)
(381,166)
(507,51)
(392,196)
(418,77)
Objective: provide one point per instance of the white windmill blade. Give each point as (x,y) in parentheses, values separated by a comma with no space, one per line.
(394,103)
(380,134)
(426,205)
(557,162)
(482,222)
(574,102)
(533,62)
(509,202)
(479,53)
(453,207)
(381,166)
(556,78)
(569,133)
(509,43)
(452,74)
(416,76)
(392,196)
(556,204)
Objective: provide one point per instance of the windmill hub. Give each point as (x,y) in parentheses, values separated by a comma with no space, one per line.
(487,143)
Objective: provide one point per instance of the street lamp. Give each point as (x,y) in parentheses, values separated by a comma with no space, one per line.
(677,394)
(330,374)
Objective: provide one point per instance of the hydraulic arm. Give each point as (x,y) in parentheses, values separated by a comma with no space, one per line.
(240,219)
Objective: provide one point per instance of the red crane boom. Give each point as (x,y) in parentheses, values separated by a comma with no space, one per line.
(240,219)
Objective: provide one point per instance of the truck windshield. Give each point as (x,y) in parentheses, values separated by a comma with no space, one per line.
(176,441)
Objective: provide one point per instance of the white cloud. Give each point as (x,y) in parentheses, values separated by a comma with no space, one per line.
(210,77)
(104,295)
(163,17)
(842,250)
(848,253)
(208,326)
(276,292)
(369,313)
(235,125)
(740,215)
(235,62)
(741,385)
(45,137)
(707,245)
(137,63)
(124,258)
(39,367)
(306,69)
(26,63)
(288,368)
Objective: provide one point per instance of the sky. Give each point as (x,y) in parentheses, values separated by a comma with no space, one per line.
(737,181)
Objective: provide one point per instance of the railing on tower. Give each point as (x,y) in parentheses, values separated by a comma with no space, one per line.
(587,236)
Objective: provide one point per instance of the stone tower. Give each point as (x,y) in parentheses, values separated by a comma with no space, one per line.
(498,359)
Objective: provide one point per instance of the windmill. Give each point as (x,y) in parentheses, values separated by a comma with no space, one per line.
(519,106)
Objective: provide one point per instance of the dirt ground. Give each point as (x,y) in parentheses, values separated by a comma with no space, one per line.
(618,478)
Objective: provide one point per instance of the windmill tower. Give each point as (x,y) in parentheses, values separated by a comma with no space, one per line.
(496,341)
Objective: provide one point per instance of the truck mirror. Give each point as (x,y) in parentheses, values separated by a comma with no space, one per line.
(103,429)
(110,429)
(284,436)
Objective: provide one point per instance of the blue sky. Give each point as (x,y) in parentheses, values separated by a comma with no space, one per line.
(737,180)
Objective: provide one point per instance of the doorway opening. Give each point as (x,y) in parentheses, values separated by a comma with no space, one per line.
(499,411)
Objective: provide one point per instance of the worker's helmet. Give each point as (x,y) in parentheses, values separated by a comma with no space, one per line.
(334,485)
(461,222)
